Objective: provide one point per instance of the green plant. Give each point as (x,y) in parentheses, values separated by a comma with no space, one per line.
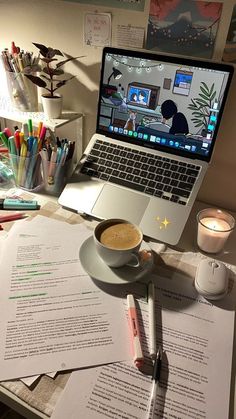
(201,105)
(50,70)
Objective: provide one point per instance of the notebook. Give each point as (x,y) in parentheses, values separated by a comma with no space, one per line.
(157,123)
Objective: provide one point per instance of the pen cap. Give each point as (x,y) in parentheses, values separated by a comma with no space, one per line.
(7,132)
(157,366)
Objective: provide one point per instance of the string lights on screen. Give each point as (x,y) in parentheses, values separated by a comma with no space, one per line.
(142,65)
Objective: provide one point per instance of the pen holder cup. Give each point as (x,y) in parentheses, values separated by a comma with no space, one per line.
(23,93)
(27,171)
(55,175)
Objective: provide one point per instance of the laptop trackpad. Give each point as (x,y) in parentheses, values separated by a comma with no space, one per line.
(114,202)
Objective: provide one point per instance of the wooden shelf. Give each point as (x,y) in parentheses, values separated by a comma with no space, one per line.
(8,112)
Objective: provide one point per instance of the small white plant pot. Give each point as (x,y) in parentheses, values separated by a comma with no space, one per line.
(52,106)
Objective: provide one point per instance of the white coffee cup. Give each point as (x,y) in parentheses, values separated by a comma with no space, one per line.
(117,242)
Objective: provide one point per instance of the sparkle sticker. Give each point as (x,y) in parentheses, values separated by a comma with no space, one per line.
(162,223)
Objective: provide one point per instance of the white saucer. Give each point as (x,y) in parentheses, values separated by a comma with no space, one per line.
(97,269)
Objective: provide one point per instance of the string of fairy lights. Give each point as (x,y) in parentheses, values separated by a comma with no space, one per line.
(142,65)
(189,35)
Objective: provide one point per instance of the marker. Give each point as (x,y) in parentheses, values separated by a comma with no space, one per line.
(18,204)
(12,145)
(30,127)
(21,138)
(135,334)
(152,320)
(156,379)
(32,163)
(12,217)
(17,142)
(4,138)
(13,48)
(41,136)
(40,125)
(43,133)
(23,154)
(7,132)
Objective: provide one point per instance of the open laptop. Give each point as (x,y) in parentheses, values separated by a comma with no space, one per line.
(157,121)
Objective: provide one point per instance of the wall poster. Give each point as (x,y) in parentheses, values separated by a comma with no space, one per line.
(229,53)
(186,26)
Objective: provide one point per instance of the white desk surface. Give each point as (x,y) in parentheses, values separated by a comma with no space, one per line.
(11,394)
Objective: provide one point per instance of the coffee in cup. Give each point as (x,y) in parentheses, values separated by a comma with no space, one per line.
(117,242)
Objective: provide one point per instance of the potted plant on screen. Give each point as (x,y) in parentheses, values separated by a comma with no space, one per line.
(50,79)
(202,106)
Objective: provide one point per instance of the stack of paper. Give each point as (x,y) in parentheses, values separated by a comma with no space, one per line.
(55,317)
(197,338)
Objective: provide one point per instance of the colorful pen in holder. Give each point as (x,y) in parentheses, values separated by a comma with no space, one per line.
(24,154)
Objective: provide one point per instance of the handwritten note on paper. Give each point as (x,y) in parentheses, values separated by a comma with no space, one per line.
(97,29)
(129,36)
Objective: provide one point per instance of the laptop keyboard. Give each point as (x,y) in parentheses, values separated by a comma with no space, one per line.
(159,176)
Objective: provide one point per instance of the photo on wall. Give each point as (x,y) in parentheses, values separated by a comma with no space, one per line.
(229,53)
(186,26)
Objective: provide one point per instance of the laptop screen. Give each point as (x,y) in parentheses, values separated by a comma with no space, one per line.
(167,103)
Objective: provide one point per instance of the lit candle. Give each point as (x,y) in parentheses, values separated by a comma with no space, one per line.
(212,234)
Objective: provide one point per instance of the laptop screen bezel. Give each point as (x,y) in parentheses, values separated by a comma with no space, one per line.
(213,65)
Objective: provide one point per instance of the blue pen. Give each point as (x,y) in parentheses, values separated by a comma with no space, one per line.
(64,153)
(32,163)
(30,141)
(59,154)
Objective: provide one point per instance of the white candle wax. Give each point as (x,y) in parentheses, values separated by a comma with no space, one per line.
(212,234)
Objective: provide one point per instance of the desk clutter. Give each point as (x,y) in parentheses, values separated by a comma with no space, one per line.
(159,363)
(38,161)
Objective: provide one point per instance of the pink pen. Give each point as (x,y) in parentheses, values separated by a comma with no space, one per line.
(43,133)
(12,217)
(135,334)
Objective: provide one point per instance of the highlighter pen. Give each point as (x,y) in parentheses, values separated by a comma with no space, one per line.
(30,127)
(135,334)
(7,132)
(18,204)
(4,138)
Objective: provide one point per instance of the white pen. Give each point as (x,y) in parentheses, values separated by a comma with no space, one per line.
(156,378)
(152,320)
(135,334)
